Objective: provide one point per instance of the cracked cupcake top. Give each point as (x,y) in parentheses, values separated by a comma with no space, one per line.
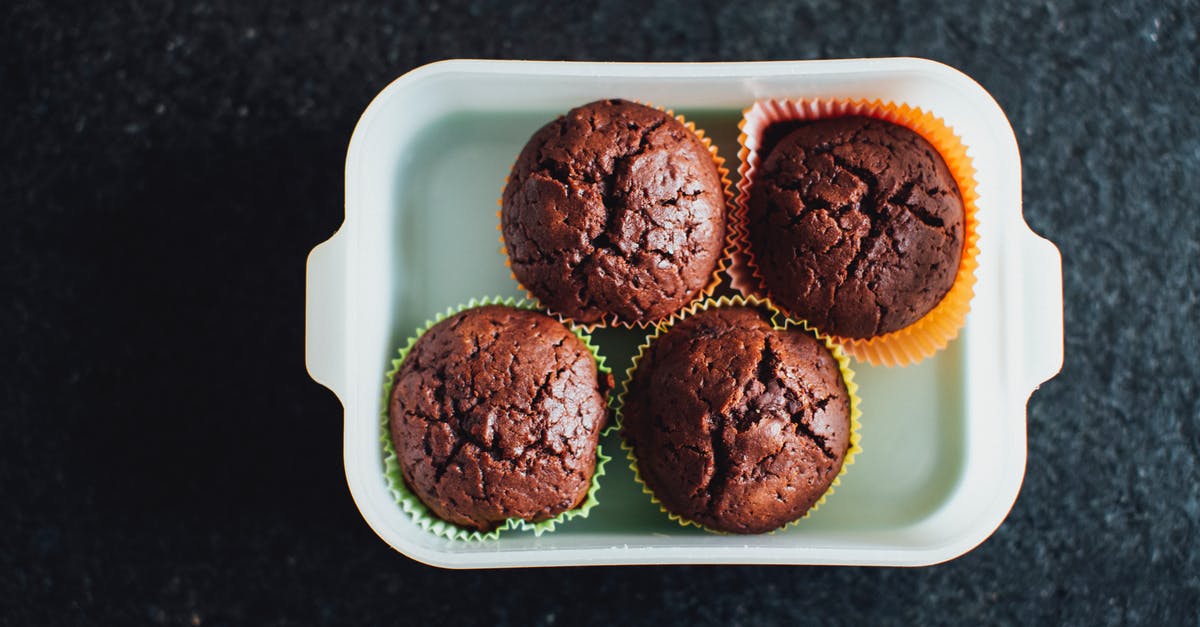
(496,413)
(855,224)
(614,212)
(737,425)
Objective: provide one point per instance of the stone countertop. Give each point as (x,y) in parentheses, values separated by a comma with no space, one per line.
(167,460)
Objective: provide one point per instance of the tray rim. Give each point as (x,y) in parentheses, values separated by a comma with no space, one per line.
(323,269)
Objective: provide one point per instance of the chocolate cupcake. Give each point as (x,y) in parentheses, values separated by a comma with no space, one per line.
(614,213)
(734,424)
(855,224)
(495,414)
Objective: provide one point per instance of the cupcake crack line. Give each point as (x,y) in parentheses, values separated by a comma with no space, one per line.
(451,417)
(582,218)
(746,428)
(841,206)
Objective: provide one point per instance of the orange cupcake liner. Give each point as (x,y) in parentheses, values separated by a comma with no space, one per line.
(934,330)
(705,292)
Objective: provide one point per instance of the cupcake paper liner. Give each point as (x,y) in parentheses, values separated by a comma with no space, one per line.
(935,329)
(394,477)
(776,316)
(722,263)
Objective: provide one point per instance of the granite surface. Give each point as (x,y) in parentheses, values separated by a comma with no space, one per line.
(164,458)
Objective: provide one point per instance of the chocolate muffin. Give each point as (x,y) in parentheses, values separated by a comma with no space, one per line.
(856,225)
(614,212)
(736,425)
(495,413)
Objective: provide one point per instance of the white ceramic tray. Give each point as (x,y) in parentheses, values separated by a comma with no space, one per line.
(943,442)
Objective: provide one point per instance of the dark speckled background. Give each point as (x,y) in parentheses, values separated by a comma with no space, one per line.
(164,458)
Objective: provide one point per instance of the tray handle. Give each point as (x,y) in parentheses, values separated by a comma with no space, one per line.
(325,313)
(1043,324)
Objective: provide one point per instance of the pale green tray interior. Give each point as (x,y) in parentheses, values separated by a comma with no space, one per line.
(446,250)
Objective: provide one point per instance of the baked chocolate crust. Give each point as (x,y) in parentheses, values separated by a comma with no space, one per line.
(614,212)
(736,425)
(496,413)
(856,225)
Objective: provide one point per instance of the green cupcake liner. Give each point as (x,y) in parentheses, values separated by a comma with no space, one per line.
(413,506)
(836,350)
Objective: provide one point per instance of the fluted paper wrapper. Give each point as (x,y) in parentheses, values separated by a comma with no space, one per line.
(935,329)
(778,321)
(714,280)
(413,506)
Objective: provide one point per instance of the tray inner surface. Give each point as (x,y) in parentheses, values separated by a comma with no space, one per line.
(445,246)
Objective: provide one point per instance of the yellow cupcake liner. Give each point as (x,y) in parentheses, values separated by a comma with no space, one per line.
(394,477)
(787,323)
(722,263)
(939,326)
